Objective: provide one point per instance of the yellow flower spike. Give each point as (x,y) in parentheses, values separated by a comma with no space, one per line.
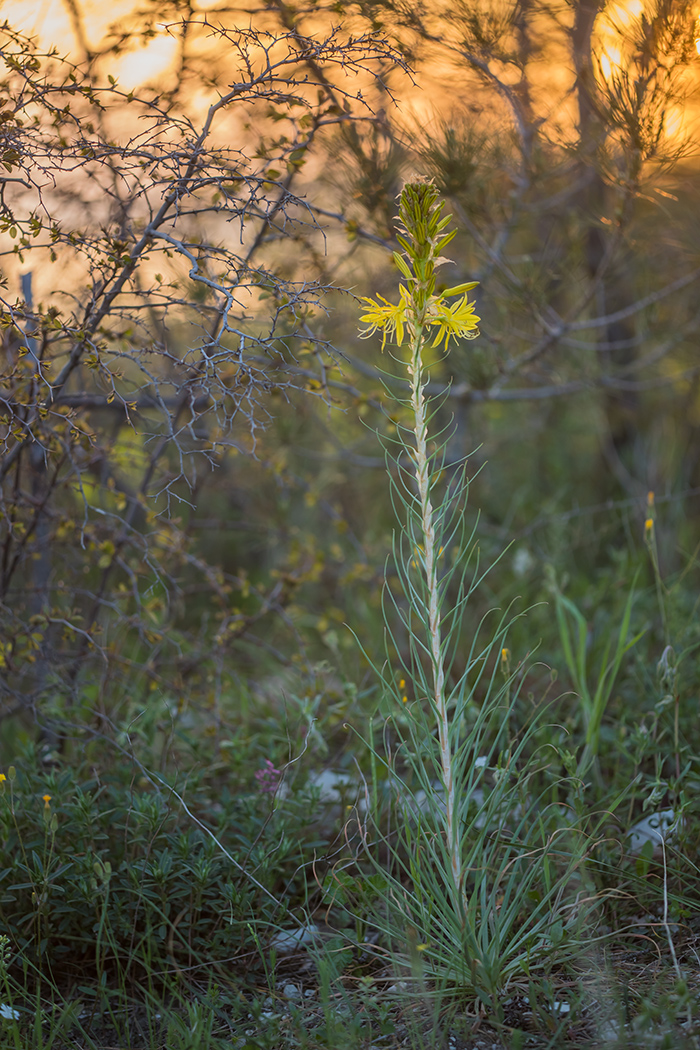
(47,801)
(648,526)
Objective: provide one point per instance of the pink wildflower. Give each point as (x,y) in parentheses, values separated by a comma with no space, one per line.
(268,778)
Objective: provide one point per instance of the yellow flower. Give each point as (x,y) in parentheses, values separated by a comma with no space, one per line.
(385,316)
(47,799)
(458,320)
(648,525)
(452,322)
(2,777)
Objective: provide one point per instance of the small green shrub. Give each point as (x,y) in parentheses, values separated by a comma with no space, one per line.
(108,874)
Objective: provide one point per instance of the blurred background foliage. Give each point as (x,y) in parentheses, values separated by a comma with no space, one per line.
(562,137)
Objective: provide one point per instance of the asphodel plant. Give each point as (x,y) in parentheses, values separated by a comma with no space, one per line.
(425,319)
(484,882)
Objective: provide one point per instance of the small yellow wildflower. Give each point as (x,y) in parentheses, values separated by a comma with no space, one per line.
(2,777)
(648,525)
(402,683)
(404,699)
(458,320)
(385,316)
(47,799)
(650,499)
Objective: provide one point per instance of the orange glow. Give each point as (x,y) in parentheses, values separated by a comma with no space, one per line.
(622,14)
(144,64)
(50,22)
(610,60)
(674,124)
(611,29)
(616,28)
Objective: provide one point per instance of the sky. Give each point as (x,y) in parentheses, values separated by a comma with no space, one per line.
(50,21)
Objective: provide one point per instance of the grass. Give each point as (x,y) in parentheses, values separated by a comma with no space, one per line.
(128,926)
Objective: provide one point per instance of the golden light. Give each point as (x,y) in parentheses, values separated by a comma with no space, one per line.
(50,22)
(610,60)
(146,63)
(622,14)
(674,123)
(610,28)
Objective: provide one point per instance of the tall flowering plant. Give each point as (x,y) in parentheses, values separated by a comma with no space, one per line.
(478,888)
(420,316)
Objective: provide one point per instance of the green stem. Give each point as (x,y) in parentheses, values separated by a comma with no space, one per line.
(422,471)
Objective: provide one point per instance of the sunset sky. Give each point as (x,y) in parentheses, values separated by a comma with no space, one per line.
(52,23)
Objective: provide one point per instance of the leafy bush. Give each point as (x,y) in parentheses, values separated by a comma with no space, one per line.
(108,873)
